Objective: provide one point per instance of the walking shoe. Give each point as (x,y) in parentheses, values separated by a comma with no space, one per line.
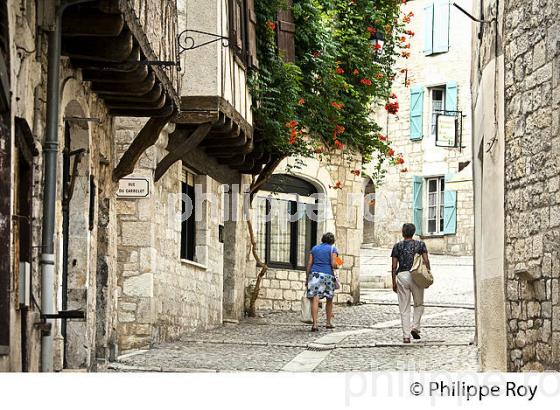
(331,326)
(415,334)
(406,340)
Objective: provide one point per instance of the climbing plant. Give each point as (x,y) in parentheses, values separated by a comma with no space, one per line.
(323,102)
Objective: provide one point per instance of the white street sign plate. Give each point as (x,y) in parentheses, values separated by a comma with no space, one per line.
(134,187)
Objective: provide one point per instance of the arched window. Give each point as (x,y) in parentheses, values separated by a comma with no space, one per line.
(285,231)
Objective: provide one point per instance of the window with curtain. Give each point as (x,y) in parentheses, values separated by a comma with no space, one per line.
(284,231)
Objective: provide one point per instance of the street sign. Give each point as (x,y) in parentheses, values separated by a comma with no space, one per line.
(134,187)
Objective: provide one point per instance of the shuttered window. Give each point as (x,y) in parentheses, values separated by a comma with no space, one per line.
(416,113)
(286,30)
(417,203)
(450,210)
(251,18)
(436,27)
(451,103)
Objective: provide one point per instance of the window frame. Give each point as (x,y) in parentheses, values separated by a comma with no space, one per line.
(440,205)
(294,191)
(187,249)
(433,113)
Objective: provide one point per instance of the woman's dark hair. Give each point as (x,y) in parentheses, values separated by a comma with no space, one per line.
(408,230)
(328,238)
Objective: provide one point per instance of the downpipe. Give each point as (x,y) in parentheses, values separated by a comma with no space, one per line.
(50,153)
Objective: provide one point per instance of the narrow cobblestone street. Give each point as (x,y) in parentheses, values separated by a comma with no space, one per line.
(367,336)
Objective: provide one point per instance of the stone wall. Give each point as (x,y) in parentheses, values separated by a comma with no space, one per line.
(282,289)
(162,296)
(393,197)
(532,175)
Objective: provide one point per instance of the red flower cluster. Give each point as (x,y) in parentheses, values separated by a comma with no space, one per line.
(382,138)
(292,125)
(337,185)
(377,46)
(339,70)
(410,32)
(271,25)
(356,172)
(399,160)
(366,81)
(391,152)
(338,129)
(372,30)
(392,107)
(356,72)
(337,105)
(301,101)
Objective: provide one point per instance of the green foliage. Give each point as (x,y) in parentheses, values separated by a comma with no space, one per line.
(325,99)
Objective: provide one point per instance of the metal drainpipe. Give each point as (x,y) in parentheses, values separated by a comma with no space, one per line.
(50,153)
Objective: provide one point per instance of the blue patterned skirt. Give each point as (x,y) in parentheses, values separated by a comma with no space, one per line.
(321,284)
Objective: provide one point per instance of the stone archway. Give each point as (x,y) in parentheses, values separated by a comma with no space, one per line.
(369,213)
(76,270)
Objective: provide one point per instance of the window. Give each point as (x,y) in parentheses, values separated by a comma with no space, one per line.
(435,205)
(437,104)
(436,27)
(238,27)
(434,209)
(188,211)
(284,231)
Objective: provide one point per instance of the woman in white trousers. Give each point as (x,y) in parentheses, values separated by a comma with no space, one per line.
(402,259)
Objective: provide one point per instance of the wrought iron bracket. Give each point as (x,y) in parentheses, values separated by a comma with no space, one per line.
(186,41)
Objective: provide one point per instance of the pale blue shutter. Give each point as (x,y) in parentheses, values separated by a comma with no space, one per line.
(449,209)
(428,29)
(451,96)
(441,26)
(416,111)
(417,203)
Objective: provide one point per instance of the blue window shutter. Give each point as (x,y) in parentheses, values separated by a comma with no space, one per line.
(451,96)
(416,112)
(417,203)
(449,209)
(441,26)
(428,29)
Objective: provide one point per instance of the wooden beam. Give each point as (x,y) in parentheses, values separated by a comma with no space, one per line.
(166,111)
(188,145)
(91,22)
(132,89)
(138,74)
(147,137)
(111,49)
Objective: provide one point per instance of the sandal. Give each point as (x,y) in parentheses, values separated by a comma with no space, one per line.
(406,340)
(415,334)
(314,328)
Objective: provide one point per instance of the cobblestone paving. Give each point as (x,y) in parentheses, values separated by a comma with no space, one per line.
(372,338)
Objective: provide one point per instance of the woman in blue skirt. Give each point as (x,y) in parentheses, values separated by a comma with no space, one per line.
(321,281)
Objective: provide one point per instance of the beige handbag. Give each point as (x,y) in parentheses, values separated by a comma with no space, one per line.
(420,273)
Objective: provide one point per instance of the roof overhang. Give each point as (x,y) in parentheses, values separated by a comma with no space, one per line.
(107,42)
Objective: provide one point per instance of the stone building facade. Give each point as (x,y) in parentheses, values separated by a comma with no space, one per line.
(516,86)
(339,199)
(78,277)
(433,188)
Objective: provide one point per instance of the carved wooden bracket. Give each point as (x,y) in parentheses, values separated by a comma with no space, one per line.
(189,144)
(147,137)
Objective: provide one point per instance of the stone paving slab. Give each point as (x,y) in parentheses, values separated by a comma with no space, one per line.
(278,341)
(402,358)
(219,357)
